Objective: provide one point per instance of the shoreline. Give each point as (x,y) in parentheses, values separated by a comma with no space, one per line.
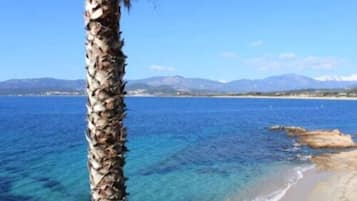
(223,96)
(302,189)
(333,178)
(322,185)
(297,175)
(252,97)
(289,97)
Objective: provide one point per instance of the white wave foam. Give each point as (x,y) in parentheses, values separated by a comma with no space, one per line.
(296,147)
(278,194)
(303,157)
(296,144)
(293,149)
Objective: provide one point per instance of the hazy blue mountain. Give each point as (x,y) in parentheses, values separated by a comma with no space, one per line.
(43,83)
(40,86)
(273,83)
(177,84)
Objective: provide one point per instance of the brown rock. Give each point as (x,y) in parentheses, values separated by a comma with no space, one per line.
(318,138)
(327,139)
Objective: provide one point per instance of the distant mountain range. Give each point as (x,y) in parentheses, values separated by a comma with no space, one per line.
(41,86)
(173,85)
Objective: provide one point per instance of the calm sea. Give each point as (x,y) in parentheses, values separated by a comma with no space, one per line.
(181,149)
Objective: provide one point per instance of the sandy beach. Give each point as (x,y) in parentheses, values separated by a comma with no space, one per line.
(334,175)
(319,185)
(290,97)
(333,179)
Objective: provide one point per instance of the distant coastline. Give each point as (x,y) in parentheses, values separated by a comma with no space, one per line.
(201,96)
(291,97)
(281,86)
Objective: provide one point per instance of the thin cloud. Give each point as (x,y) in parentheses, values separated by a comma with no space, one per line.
(291,61)
(321,62)
(288,55)
(256,43)
(229,55)
(161,68)
(352,77)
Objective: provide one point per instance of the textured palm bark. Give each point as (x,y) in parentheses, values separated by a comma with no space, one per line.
(106,134)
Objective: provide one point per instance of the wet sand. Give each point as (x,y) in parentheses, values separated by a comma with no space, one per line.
(302,189)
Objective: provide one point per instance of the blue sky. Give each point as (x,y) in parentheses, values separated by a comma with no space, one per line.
(221,40)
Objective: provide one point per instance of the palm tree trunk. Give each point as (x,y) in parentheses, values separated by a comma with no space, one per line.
(106,134)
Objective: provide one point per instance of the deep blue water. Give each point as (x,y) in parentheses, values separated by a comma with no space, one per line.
(181,149)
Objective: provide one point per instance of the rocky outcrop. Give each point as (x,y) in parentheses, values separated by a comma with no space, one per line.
(341,165)
(318,138)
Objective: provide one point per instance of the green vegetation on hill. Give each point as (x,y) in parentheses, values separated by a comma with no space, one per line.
(306,93)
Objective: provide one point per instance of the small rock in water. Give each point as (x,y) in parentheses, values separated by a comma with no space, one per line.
(292,130)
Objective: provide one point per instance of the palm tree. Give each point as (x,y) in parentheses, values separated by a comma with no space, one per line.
(106,134)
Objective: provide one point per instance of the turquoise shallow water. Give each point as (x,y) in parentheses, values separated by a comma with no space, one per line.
(199,149)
